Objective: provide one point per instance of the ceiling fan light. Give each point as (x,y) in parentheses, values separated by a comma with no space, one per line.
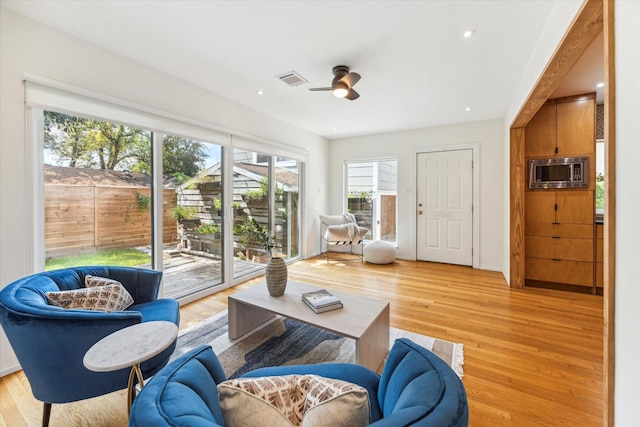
(340,90)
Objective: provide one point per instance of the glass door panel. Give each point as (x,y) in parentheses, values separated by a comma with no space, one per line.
(193,260)
(371,197)
(97,204)
(287,207)
(251,214)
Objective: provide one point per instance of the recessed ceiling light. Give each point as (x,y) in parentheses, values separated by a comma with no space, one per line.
(599,85)
(468,34)
(260,92)
(467,109)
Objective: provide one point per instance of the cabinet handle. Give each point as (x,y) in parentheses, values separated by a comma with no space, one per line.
(555,237)
(556,259)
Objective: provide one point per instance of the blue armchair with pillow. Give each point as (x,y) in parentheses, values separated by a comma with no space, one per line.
(53,318)
(416,388)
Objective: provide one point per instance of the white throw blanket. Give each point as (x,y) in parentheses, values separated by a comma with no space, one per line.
(343,229)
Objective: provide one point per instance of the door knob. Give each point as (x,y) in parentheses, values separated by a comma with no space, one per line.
(419,212)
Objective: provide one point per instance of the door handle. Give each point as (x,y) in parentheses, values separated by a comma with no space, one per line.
(419,212)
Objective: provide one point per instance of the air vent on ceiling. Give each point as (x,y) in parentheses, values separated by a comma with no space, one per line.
(292,78)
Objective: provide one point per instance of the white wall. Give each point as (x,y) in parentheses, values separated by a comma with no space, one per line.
(27,46)
(404,145)
(627,300)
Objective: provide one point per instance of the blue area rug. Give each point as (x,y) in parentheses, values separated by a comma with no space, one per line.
(283,341)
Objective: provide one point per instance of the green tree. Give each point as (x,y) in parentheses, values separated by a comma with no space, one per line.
(91,143)
(81,142)
(180,157)
(116,144)
(65,136)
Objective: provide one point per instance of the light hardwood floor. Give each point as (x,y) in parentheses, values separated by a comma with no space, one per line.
(532,357)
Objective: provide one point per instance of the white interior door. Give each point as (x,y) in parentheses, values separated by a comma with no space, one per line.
(445,207)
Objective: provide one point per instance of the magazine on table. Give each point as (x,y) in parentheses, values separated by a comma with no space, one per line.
(321,300)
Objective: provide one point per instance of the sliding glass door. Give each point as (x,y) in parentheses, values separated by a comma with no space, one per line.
(266,192)
(287,207)
(193,262)
(97,204)
(116,194)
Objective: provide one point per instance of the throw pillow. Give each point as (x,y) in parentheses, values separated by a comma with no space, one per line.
(101,298)
(93,281)
(293,400)
(333,402)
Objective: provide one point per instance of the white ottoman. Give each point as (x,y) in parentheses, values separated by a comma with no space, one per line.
(379,252)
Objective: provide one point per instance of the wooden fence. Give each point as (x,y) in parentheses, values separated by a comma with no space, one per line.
(82,218)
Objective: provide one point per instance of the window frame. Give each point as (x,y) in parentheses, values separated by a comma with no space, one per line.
(46,94)
(375,209)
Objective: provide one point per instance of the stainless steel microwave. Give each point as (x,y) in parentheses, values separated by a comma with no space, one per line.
(569,172)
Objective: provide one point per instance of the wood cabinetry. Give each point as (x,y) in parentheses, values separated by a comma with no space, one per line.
(562,127)
(540,133)
(559,231)
(599,255)
(560,224)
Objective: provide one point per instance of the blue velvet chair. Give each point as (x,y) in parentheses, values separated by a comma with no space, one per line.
(416,389)
(50,342)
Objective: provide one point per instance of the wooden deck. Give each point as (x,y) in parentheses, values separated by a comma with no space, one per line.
(186,274)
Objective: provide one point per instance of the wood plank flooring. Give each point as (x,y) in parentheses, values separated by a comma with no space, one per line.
(533,357)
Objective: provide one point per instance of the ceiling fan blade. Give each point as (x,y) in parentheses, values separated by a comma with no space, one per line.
(351,79)
(319,88)
(352,94)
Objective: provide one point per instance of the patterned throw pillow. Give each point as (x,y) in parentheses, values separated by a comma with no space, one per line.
(93,281)
(293,400)
(111,297)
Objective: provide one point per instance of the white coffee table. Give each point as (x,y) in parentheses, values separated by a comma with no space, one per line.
(364,319)
(129,347)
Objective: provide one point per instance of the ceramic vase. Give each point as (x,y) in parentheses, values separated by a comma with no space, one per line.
(276,276)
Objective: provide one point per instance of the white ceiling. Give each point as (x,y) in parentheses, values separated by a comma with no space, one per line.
(417,69)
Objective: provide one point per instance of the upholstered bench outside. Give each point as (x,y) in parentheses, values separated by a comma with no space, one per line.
(379,252)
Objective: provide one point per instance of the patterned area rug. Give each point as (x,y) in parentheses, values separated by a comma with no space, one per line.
(284,341)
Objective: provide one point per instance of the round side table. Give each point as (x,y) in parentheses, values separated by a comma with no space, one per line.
(129,347)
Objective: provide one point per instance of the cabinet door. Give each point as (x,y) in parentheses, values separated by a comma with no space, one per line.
(540,133)
(575,207)
(576,127)
(600,256)
(560,248)
(539,206)
(580,231)
(559,271)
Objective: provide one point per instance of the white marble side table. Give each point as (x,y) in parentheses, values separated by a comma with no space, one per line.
(129,347)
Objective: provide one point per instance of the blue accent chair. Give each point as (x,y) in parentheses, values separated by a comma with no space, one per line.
(50,342)
(416,389)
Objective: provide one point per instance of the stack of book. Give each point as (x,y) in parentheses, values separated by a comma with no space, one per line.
(321,301)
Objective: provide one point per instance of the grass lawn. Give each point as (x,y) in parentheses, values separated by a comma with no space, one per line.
(123,257)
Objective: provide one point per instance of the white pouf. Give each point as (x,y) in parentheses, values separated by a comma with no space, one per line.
(379,252)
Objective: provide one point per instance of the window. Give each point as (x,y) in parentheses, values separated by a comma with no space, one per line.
(371,195)
(151,175)
(194,231)
(600,174)
(266,208)
(97,201)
